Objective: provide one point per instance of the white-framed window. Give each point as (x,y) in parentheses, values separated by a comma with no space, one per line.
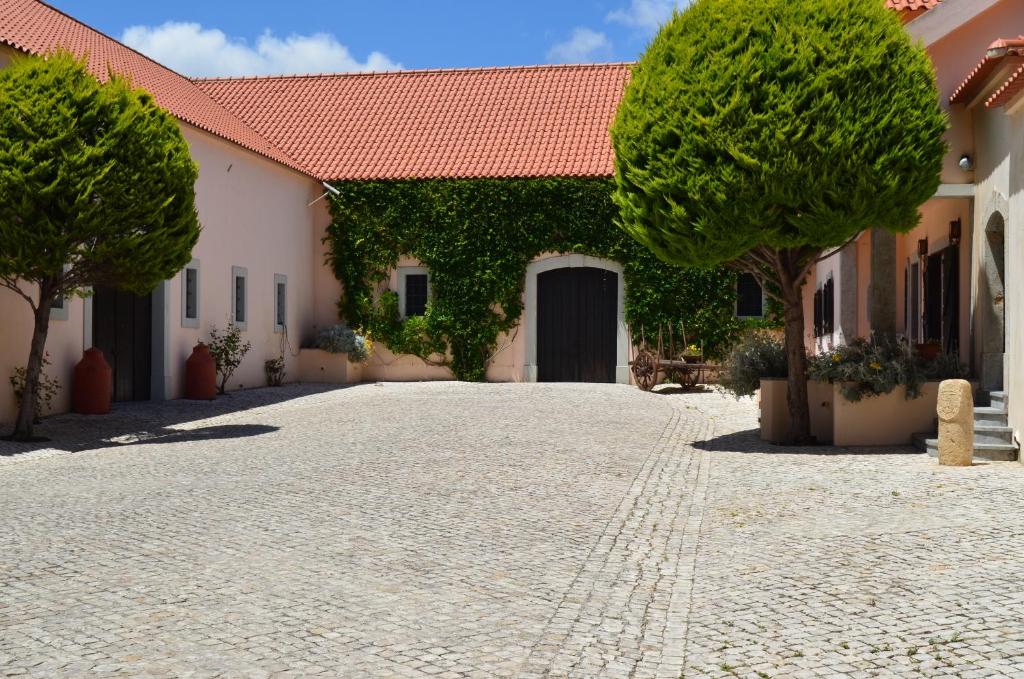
(750,297)
(59,307)
(240,297)
(280,302)
(413,290)
(190,295)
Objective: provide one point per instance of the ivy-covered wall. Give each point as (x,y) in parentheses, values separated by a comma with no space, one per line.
(477,236)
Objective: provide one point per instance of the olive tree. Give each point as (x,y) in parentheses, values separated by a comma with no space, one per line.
(765,135)
(96,188)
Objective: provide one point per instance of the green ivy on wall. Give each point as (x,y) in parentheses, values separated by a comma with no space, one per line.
(476,237)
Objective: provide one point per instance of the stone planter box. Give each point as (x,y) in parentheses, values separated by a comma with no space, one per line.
(886,420)
(775,410)
(322,367)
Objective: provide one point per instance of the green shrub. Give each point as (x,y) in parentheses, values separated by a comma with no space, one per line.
(341,339)
(758,355)
(44,395)
(274,369)
(867,368)
(228,350)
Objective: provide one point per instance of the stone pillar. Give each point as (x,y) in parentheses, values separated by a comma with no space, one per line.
(956,423)
(883,282)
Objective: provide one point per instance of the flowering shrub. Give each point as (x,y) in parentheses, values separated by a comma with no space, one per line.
(341,339)
(756,356)
(228,350)
(873,367)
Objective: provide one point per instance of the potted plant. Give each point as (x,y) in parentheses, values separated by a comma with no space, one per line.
(930,350)
(336,356)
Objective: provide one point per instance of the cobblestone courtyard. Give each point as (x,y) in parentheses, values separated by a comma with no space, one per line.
(457,530)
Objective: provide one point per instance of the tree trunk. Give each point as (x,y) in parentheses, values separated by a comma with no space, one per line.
(791,288)
(24,426)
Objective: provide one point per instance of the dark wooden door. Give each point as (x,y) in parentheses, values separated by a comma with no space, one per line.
(122,327)
(576,325)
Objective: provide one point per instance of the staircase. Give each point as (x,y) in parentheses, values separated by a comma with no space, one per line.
(993,439)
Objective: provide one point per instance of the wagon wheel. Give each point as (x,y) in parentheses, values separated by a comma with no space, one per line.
(645,370)
(689,377)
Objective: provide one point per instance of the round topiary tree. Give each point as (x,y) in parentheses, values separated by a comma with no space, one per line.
(96,188)
(762,135)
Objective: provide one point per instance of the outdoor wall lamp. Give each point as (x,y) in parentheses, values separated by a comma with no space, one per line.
(966,162)
(955,231)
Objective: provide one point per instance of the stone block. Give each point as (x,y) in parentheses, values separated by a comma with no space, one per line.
(955,408)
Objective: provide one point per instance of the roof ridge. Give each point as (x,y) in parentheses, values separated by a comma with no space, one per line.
(413,71)
(295,163)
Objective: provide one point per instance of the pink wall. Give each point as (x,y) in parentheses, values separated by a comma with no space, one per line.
(254,214)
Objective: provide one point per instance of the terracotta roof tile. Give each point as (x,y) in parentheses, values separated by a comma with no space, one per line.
(491,122)
(1008,91)
(911,5)
(35,27)
(1002,52)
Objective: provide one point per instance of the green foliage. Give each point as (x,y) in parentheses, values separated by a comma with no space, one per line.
(48,389)
(228,350)
(780,124)
(757,355)
(274,369)
(96,181)
(96,188)
(341,339)
(477,237)
(870,368)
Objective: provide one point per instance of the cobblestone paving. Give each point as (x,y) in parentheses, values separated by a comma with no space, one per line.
(815,564)
(458,530)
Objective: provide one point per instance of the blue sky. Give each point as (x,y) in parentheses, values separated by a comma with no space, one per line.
(228,37)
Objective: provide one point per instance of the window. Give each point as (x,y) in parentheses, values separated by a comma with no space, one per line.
(413,290)
(190,295)
(749,297)
(280,302)
(825,309)
(59,306)
(239,299)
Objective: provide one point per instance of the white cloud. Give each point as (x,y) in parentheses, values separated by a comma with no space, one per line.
(646,15)
(193,50)
(583,45)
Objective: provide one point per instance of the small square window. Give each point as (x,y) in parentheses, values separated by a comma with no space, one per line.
(280,302)
(416,294)
(239,299)
(749,297)
(190,295)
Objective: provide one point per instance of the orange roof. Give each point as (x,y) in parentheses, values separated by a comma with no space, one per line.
(911,5)
(35,27)
(1005,52)
(527,121)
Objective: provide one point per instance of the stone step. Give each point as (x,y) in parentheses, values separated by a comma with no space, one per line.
(997,399)
(989,416)
(987,433)
(996,452)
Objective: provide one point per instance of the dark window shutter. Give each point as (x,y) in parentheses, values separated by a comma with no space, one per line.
(416,294)
(749,296)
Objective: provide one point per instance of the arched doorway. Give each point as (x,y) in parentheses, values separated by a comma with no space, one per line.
(574,320)
(993,303)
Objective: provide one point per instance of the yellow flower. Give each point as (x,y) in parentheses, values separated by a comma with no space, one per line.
(876,365)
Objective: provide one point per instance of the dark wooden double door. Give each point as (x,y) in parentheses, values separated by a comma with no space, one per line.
(122,327)
(577,315)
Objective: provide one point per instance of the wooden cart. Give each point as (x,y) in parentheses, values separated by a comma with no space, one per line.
(652,365)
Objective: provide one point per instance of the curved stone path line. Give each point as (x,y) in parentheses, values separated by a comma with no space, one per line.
(626,613)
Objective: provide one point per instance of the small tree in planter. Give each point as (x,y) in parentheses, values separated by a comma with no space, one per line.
(762,135)
(228,350)
(96,188)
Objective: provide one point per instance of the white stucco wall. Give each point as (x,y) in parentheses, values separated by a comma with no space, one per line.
(254,214)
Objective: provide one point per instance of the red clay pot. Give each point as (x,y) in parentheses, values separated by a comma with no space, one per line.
(93,384)
(201,374)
